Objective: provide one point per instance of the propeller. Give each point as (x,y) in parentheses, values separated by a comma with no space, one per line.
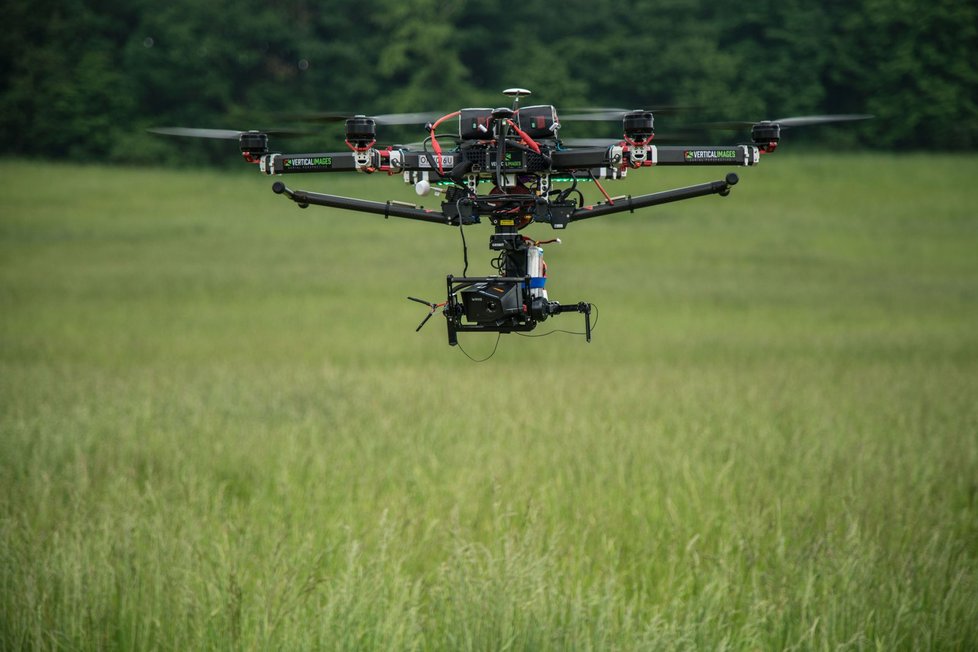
(432,306)
(797,121)
(608,142)
(590,142)
(385,119)
(602,114)
(767,133)
(224,134)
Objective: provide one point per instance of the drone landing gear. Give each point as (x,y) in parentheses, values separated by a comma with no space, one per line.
(581,307)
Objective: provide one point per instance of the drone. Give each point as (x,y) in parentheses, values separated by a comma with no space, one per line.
(532,175)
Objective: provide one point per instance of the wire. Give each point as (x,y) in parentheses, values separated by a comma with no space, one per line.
(434,140)
(600,187)
(497,263)
(561,330)
(498,335)
(465,247)
(424,148)
(567,191)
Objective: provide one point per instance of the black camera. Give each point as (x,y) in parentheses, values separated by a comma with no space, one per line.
(491,302)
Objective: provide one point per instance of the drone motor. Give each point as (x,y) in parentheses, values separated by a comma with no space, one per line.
(361,132)
(638,126)
(766,135)
(253,145)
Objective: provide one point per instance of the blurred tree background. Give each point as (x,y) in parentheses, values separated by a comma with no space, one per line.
(83,79)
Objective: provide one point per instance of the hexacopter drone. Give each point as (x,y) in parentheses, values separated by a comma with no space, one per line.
(519,153)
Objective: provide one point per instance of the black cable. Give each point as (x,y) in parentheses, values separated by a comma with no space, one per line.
(465,247)
(498,335)
(424,143)
(424,148)
(560,330)
(499,262)
(500,154)
(566,192)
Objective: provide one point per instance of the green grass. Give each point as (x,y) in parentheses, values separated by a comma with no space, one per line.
(218,429)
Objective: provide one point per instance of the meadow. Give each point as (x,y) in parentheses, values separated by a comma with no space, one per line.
(219,430)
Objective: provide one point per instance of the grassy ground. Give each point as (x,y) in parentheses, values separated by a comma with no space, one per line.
(218,429)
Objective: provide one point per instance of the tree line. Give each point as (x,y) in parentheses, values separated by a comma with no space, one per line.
(83,79)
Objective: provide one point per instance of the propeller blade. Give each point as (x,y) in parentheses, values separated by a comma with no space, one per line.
(797,121)
(601,113)
(320,116)
(223,134)
(594,109)
(407,118)
(596,116)
(805,120)
(418,118)
(589,142)
(670,137)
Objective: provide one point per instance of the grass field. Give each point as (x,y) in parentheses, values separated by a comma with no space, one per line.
(218,429)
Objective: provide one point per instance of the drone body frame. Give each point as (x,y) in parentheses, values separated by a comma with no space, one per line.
(518,151)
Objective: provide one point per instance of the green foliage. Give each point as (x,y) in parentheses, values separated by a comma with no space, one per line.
(83,78)
(914,68)
(218,430)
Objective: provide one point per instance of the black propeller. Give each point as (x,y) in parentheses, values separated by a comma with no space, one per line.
(784,123)
(602,114)
(608,142)
(589,142)
(767,133)
(224,134)
(385,119)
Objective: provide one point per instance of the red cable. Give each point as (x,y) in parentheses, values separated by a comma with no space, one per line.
(525,137)
(601,188)
(434,141)
(360,149)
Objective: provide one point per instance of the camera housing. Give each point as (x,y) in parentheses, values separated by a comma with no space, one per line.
(491,302)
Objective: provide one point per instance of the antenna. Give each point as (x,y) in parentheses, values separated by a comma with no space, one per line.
(516,94)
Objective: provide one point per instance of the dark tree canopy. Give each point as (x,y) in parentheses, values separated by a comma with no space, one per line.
(85,78)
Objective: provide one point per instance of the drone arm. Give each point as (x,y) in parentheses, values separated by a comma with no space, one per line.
(581,158)
(707,155)
(389,160)
(601,157)
(388,209)
(666,196)
(273,164)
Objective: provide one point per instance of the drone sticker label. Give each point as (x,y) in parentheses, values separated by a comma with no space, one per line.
(511,161)
(704,155)
(314,162)
(447,161)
